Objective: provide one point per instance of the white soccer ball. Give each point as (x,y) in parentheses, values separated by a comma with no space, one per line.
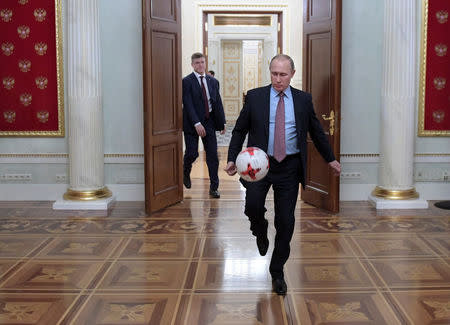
(252,164)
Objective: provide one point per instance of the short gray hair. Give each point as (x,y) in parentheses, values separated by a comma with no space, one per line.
(283,57)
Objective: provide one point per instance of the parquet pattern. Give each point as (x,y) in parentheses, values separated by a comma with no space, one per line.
(197,263)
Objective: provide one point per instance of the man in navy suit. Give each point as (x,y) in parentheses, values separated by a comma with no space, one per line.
(202,115)
(258,118)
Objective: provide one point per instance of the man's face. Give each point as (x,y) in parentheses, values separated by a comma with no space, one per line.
(199,65)
(281,74)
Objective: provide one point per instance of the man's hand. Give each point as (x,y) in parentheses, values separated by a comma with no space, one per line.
(200,130)
(336,166)
(222,132)
(231,168)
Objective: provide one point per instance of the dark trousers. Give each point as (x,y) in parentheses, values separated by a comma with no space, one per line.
(283,177)
(210,145)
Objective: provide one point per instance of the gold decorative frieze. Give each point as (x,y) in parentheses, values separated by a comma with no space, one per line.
(376,155)
(140,155)
(242,20)
(65,155)
(256,6)
(359,155)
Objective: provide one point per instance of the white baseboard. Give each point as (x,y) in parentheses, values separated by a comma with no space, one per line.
(102,204)
(427,191)
(128,192)
(379,203)
(136,192)
(54,192)
(355,192)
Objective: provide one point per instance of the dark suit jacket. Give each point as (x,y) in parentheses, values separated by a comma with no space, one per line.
(193,107)
(254,119)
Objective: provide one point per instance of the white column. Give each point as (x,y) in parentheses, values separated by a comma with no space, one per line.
(85,114)
(398,101)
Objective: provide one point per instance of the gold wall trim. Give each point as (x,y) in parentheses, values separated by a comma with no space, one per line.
(423,60)
(124,155)
(60,84)
(65,155)
(140,155)
(243,5)
(60,66)
(102,193)
(432,155)
(421,132)
(373,155)
(359,155)
(395,194)
(34,155)
(242,20)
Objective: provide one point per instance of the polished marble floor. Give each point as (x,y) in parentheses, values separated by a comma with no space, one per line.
(196,263)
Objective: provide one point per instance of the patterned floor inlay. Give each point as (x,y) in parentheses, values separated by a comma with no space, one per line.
(413,273)
(161,247)
(440,242)
(155,227)
(332,308)
(240,275)
(313,246)
(53,275)
(18,247)
(392,245)
(128,309)
(424,307)
(327,273)
(380,225)
(146,275)
(228,227)
(36,309)
(5,266)
(231,248)
(242,309)
(79,248)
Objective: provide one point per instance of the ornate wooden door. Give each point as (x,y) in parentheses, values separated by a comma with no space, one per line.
(322,78)
(163,121)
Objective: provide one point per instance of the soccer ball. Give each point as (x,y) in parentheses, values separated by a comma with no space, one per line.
(252,164)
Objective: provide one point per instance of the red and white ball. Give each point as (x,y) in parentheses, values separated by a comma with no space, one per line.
(252,164)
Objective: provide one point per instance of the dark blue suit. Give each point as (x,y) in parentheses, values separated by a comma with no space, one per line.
(283,176)
(194,112)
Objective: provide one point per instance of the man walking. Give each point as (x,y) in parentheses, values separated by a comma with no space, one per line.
(202,115)
(277,119)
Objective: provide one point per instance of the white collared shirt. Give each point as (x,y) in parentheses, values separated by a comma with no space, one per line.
(289,118)
(206,87)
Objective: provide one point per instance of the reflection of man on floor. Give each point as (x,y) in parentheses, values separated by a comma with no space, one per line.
(202,115)
(277,119)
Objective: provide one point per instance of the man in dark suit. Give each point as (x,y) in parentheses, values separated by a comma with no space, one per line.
(277,119)
(202,115)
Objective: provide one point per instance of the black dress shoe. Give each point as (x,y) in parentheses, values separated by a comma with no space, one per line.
(214,194)
(263,244)
(279,286)
(187,180)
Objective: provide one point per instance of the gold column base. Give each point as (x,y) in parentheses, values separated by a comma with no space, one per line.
(395,194)
(102,193)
